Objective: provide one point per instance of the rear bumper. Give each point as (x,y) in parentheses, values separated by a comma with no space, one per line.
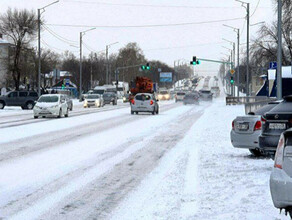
(137,109)
(247,141)
(281,188)
(269,143)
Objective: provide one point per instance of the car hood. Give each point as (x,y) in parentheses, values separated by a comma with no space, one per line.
(46,104)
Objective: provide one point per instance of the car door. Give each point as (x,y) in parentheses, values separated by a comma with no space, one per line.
(12,99)
(63,104)
(22,97)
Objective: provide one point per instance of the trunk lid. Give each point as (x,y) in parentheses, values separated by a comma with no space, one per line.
(245,124)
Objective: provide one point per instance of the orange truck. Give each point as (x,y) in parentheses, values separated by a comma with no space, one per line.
(141,85)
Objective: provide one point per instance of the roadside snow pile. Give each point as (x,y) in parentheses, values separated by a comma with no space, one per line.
(204,177)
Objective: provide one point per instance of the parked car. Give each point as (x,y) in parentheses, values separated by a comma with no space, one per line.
(179,96)
(51,105)
(281,176)
(274,123)
(191,98)
(110,98)
(69,102)
(163,95)
(93,100)
(24,99)
(247,129)
(144,102)
(126,98)
(206,94)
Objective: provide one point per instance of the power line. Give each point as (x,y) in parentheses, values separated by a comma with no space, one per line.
(256,8)
(55,48)
(59,37)
(144,26)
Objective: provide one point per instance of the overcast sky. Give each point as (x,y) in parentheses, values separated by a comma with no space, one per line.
(163,43)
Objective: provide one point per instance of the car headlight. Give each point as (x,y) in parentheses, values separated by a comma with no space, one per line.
(159,96)
(37,107)
(85,102)
(167,96)
(124,99)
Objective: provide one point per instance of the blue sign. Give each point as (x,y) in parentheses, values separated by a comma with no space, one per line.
(67,82)
(273,65)
(165,77)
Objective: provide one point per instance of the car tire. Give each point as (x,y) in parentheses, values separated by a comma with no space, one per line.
(255,152)
(60,113)
(132,113)
(67,113)
(2,105)
(71,109)
(35,117)
(29,105)
(153,113)
(137,113)
(157,111)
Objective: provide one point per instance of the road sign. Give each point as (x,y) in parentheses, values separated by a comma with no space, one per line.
(232,71)
(165,76)
(273,65)
(67,82)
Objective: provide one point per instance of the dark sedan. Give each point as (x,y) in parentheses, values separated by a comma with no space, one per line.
(274,123)
(191,98)
(110,97)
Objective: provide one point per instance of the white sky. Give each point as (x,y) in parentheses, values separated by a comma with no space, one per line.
(204,40)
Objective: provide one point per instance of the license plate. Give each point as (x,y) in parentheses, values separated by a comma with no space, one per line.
(279,126)
(242,126)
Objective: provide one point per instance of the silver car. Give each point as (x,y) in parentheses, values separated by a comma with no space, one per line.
(93,100)
(281,176)
(144,102)
(247,129)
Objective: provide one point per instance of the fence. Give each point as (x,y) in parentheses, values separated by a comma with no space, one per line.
(231,100)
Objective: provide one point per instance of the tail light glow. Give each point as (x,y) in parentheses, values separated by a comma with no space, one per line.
(233,125)
(133,101)
(258,126)
(151,102)
(280,153)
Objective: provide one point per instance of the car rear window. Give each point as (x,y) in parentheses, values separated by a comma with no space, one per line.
(33,94)
(180,93)
(205,92)
(283,107)
(143,97)
(49,99)
(93,96)
(261,111)
(22,94)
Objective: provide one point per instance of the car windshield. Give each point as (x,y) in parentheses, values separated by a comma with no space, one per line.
(98,91)
(49,98)
(205,92)
(143,97)
(107,94)
(180,93)
(93,96)
(163,92)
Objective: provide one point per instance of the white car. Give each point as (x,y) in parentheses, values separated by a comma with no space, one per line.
(93,100)
(51,105)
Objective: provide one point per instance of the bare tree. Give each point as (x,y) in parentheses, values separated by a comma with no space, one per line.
(20,26)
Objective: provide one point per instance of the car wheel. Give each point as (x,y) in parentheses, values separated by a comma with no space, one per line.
(132,113)
(29,105)
(157,111)
(36,116)
(67,113)
(256,152)
(71,109)
(60,113)
(137,113)
(153,113)
(2,105)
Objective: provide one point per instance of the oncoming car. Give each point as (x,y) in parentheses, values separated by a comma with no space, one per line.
(163,95)
(179,96)
(93,100)
(144,102)
(51,105)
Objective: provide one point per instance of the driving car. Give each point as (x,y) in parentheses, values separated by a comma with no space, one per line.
(246,130)
(281,176)
(24,99)
(274,122)
(93,100)
(206,94)
(191,98)
(179,96)
(144,102)
(163,95)
(126,98)
(51,105)
(110,98)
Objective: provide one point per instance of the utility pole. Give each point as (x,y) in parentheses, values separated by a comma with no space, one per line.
(238,42)
(80,75)
(106,55)
(279,52)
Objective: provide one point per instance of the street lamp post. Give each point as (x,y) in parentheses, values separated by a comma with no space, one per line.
(39,44)
(279,52)
(233,61)
(107,61)
(80,75)
(247,46)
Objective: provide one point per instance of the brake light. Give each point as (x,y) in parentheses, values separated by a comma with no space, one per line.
(233,125)
(263,120)
(280,153)
(258,126)
(133,101)
(151,102)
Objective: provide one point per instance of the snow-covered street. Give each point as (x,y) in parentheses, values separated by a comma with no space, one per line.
(110,164)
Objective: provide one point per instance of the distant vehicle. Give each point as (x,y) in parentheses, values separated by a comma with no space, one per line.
(83,96)
(215,90)
(99,90)
(206,95)
(69,102)
(110,98)
(281,176)
(51,105)
(163,95)
(126,98)
(144,102)
(93,100)
(179,96)
(191,98)
(274,123)
(24,99)
(247,129)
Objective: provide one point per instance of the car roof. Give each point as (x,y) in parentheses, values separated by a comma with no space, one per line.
(52,95)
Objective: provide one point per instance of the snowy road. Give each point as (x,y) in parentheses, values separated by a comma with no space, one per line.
(114,165)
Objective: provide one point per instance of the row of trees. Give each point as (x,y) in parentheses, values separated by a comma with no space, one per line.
(20,27)
(263,49)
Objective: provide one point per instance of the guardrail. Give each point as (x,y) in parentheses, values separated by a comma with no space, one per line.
(253,106)
(231,100)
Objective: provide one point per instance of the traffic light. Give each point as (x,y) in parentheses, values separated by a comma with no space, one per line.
(195,61)
(231,80)
(145,67)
